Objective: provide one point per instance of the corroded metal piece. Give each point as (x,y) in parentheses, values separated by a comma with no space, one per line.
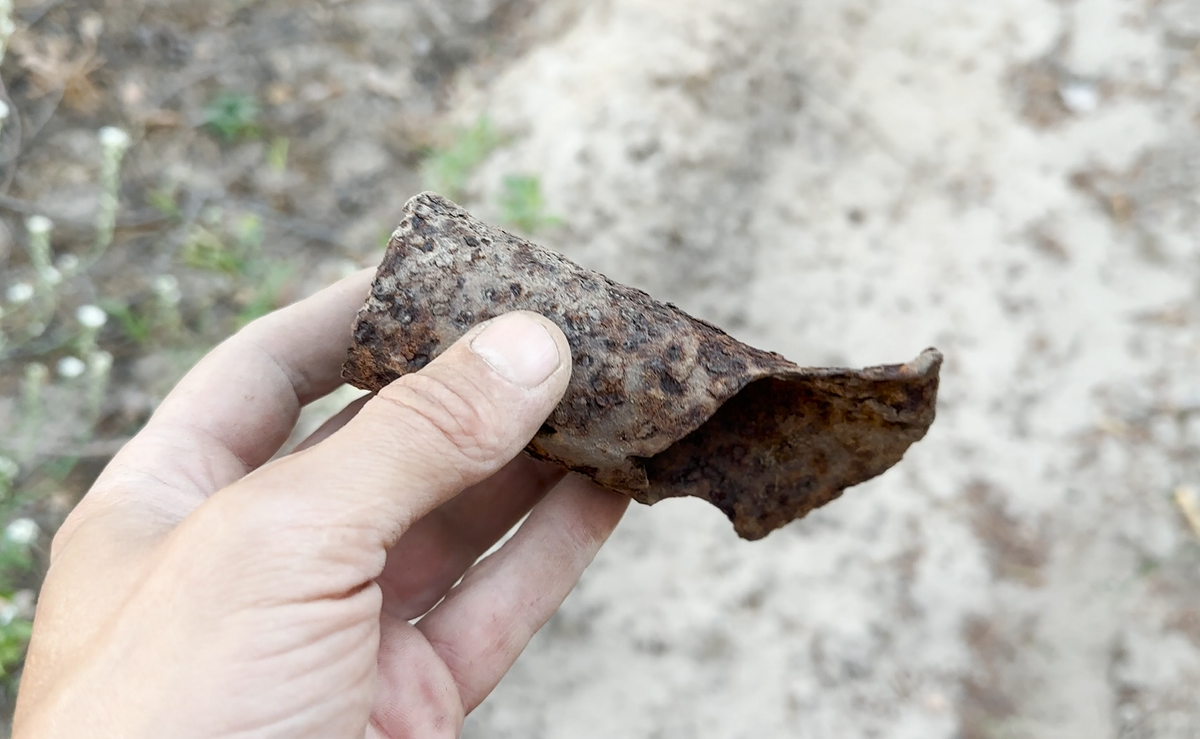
(660,404)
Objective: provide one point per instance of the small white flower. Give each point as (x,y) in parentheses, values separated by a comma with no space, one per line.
(71,367)
(68,264)
(38,225)
(21,292)
(91,316)
(166,287)
(9,469)
(36,373)
(112,137)
(8,611)
(100,363)
(22,531)
(3,111)
(51,276)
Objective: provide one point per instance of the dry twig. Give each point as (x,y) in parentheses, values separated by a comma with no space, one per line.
(1189,505)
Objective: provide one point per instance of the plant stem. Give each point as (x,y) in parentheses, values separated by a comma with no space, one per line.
(114,143)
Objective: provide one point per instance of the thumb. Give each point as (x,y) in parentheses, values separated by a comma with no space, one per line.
(428,435)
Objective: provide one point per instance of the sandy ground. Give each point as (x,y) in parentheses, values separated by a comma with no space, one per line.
(844,181)
(848,182)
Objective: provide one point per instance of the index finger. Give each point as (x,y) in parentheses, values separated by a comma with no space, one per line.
(236,408)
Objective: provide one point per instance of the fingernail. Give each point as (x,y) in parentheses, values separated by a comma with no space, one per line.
(519,348)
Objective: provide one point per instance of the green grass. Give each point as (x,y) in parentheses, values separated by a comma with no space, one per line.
(206,250)
(522,205)
(234,248)
(137,326)
(14,640)
(164,200)
(277,154)
(233,117)
(447,170)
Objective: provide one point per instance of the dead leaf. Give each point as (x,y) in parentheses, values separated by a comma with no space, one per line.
(55,65)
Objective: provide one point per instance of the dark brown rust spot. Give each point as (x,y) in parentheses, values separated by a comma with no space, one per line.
(464,321)
(717,358)
(365,333)
(670,385)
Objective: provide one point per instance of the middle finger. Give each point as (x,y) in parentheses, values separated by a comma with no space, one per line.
(432,555)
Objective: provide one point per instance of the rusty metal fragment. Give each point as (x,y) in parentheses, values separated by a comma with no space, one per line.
(660,404)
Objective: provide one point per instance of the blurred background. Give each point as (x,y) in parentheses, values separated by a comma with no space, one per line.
(846,182)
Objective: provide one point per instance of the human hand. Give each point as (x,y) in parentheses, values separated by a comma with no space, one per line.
(199,590)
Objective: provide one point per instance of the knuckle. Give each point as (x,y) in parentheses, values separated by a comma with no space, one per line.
(463,418)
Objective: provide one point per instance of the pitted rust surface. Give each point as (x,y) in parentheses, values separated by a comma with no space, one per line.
(660,404)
